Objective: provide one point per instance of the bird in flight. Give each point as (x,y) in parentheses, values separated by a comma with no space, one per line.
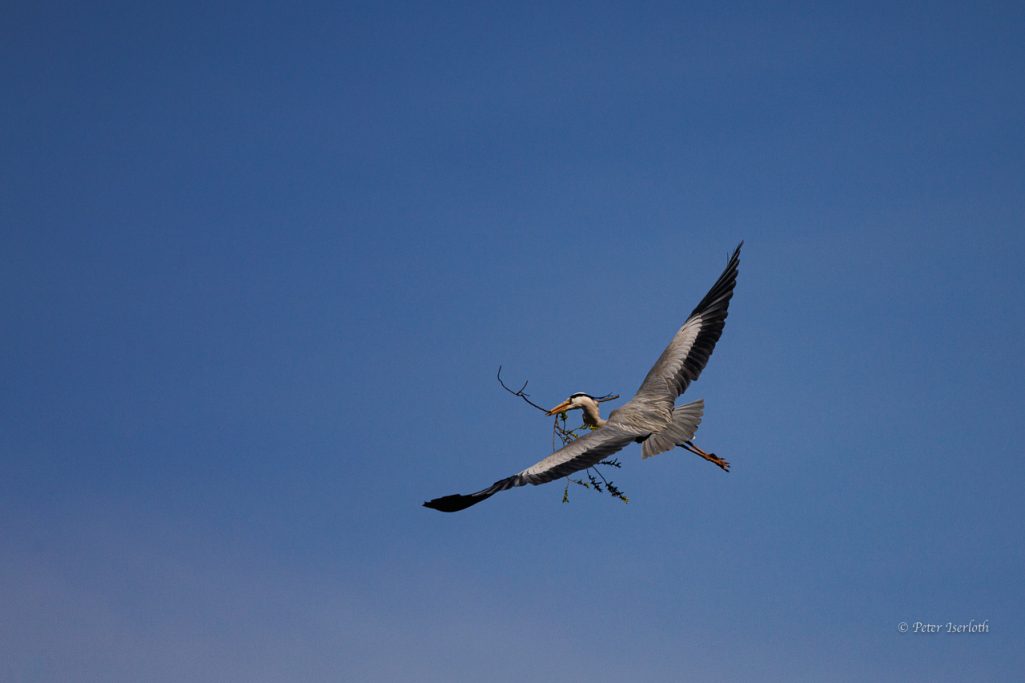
(650,418)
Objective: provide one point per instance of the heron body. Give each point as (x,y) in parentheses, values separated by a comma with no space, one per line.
(650,417)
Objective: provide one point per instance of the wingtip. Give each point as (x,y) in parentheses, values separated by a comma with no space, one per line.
(453,503)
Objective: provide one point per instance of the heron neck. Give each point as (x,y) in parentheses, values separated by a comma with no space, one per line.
(592,418)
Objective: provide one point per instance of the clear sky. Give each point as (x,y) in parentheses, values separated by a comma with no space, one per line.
(260,263)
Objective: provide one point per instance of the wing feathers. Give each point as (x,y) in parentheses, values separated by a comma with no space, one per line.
(457,502)
(687,354)
(585,452)
(723,287)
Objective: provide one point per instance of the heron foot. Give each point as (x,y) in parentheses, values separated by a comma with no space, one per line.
(716,460)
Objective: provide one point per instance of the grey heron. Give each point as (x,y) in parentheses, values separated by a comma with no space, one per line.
(650,418)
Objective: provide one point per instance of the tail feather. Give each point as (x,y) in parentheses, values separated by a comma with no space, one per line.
(684,426)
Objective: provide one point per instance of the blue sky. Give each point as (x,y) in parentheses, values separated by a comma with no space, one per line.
(260,264)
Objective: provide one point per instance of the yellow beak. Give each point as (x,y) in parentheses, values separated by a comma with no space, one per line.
(559,408)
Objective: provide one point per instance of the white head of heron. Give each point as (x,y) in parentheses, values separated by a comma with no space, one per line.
(582,401)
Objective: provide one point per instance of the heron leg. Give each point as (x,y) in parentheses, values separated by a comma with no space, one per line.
(710,457)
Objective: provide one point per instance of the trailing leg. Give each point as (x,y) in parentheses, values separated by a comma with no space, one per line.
(710,457)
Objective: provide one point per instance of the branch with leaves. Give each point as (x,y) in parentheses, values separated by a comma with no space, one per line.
(565,434)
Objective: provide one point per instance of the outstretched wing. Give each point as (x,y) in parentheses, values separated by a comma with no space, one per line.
(687,354)
(585,452)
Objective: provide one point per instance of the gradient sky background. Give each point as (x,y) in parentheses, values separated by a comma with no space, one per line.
(260,263)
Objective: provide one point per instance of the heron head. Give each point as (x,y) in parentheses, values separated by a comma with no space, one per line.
(575,401)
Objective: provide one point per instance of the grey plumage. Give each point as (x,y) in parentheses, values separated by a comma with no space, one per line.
(649,417)
(681,429)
